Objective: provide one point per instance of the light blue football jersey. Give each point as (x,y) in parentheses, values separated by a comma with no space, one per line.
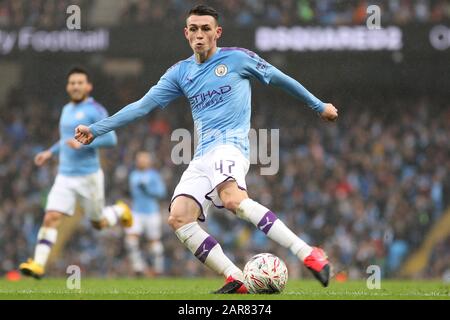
(83,161)
(147,188)
(219,93)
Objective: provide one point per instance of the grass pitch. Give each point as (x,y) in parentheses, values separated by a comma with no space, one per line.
(199,289)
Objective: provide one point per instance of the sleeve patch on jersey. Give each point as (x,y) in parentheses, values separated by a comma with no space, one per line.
(262,64)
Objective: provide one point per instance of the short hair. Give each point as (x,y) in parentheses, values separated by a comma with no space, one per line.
(204,10)
(80,70)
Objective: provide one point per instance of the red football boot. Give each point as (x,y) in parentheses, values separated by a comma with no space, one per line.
(232,286)
(319,265)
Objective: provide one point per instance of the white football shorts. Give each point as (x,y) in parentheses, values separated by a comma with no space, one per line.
(148,223)
(88,190)
(204,174)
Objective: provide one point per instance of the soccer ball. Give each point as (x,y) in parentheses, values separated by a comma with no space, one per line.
(265,273)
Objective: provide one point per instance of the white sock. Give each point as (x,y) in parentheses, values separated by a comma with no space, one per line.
(266,221)
(157,251)
(112,214)
(207,250)
(137,262)
(46,239)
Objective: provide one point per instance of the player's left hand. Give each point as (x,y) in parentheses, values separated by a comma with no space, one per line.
(83,134)
(74,144)
(330,113)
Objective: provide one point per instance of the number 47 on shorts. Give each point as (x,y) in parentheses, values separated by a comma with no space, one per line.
(219,165)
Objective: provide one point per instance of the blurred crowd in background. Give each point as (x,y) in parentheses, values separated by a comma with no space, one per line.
(366,189)
(52,13)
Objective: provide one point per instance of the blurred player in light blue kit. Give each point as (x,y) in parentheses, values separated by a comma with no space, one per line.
(147,189)
(216,81)
(80,177)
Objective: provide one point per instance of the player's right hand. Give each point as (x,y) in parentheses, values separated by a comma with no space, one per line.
(83,134)
(42,157)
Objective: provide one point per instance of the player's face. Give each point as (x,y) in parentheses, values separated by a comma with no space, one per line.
(78,87)
(143,160)
(202,33)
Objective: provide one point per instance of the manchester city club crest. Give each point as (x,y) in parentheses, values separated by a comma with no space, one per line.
(79,115)
(221,70)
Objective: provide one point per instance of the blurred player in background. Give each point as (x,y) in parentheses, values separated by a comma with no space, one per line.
(147,189)
(80,177)
(217,83)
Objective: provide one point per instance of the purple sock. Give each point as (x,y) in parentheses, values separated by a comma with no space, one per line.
(204,249)
(267,222)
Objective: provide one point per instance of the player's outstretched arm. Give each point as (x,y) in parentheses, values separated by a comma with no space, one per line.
(131,112)
(107,140)
(160,95)
(42,157)
(326,110)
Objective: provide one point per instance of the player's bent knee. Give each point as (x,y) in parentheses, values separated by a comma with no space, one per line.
(176,220)
(231,195)
(52,219)
(183,210)
(171,221)
(231,204)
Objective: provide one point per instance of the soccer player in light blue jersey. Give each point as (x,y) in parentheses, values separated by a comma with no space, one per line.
(80,177)
(216,81)
(147,189)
